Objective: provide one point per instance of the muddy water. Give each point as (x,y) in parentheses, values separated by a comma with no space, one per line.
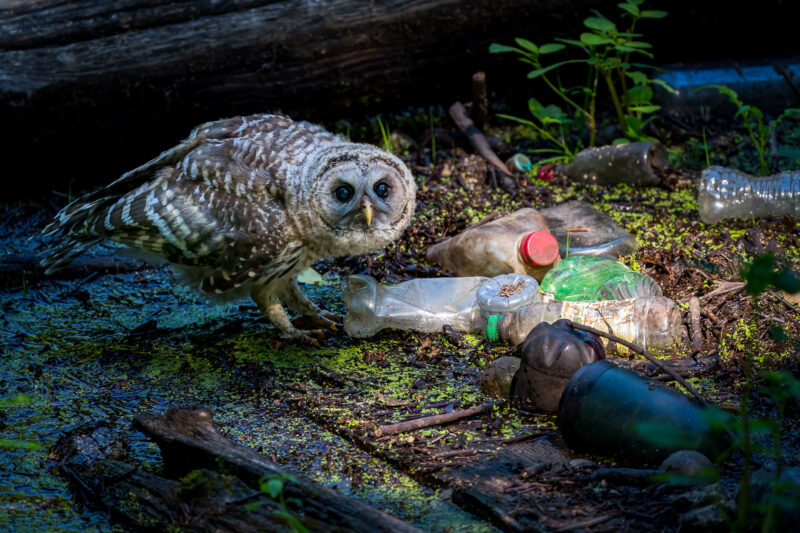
(109,347)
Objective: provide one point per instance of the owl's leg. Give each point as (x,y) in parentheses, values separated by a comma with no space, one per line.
(293,297)
(267,302)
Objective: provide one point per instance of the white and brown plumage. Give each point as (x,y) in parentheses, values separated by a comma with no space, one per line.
(247,203)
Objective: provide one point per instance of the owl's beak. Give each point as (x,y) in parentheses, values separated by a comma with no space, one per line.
(366,208)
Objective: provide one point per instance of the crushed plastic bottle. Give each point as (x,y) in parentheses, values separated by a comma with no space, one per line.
(728,193)
(653,322)
(519,242)
(639,163)
(581,277)
(424,304)
(551,354)
(580,229)
(506,293)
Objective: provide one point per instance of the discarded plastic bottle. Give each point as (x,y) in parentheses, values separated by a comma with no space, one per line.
(580,229)
(585,278)
(518,243)
(728,193)
(636,163)
(653,322)
(506,293)
(551,354)
(424,304)
(606,409)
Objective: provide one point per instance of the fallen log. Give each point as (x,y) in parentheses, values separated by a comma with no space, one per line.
(114,83)
(210,484)
(189,441)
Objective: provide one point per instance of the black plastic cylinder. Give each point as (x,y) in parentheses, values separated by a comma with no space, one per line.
(610,410)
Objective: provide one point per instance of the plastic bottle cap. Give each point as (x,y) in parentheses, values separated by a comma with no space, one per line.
(491,326)
(539,249)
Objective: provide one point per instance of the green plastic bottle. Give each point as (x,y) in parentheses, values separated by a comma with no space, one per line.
(586,278)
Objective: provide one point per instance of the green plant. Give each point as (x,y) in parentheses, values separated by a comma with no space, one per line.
(274,485)
(753,119)
(386,136)
(608,56)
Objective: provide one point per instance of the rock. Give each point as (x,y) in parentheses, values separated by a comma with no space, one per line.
(686,462)
(498,375)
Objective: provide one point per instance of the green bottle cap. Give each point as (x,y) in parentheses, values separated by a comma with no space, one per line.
(492,324)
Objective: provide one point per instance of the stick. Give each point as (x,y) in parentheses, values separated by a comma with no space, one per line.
(476,138)
(435,420)
(636,348)
(480,102)
(694,321)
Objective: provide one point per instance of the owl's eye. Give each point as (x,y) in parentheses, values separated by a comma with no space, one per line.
(381,189)
(343,193)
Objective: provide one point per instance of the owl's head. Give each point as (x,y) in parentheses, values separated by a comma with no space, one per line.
(363,196)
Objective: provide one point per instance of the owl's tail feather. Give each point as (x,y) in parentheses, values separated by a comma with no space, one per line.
(64,253)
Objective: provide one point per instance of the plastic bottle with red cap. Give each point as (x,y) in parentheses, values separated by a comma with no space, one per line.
(519,242)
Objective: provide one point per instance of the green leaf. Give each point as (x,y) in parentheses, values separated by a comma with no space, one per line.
(665,85)
(274,487)
(639,44)
(645,108)
(516,119)
(539,71)
(727,91)
(640,94)
(495,48)
(550,48)
(573,42)
(592,39)
(652,14)
(638,77)
(620,140)
(527,45)
(630,8)
(636,2)
(628,49)
(253,506)
(600,24)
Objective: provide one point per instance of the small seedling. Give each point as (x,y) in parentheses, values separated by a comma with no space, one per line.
(753,119)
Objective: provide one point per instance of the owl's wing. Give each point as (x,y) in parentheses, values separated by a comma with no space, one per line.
(203,203)
(71,219)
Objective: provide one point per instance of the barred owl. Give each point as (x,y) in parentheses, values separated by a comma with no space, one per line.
(245,204)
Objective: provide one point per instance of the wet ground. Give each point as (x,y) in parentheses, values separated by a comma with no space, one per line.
(106,346)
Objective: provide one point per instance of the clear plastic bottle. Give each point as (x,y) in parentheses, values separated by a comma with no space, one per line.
(506,293)
(729,193)
(424,304)
(635,163)
(649,322)
(586,278)
(580,229)
(519,242)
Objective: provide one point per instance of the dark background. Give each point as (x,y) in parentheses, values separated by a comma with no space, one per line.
(85,130)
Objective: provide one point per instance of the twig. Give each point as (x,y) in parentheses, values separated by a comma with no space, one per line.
(638,349)
(433,420)
(724,287)
(479,142)
(572,526)
(480,103)
(694,321)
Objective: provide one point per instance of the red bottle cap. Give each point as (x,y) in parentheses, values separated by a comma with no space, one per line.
(539,249)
